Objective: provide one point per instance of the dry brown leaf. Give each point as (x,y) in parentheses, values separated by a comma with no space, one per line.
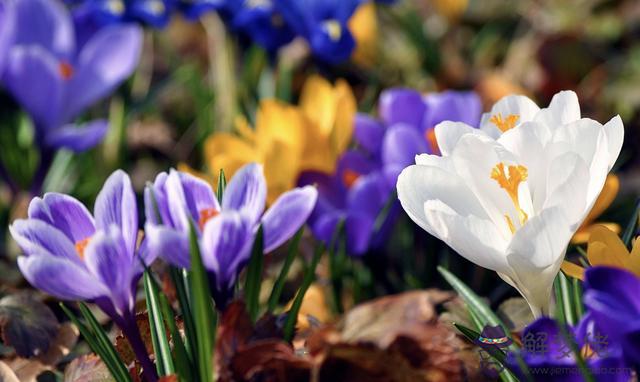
(6,374)
(395,338)
(27,370)
(87,368)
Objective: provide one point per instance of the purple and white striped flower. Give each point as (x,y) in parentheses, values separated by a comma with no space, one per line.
(226,230)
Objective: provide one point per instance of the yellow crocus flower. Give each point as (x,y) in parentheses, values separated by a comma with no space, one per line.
(364,28)
(287,139)
(606,248)
(606,197)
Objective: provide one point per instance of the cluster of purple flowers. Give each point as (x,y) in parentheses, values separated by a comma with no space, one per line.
(365,179)
(607,336)
(74,255)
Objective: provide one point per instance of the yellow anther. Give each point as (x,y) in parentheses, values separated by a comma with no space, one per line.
(156,7)
(510,183)
(333,29)
(505,124)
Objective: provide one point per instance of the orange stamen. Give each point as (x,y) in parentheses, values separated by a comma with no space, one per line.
(206,215)
(66,70)
(81,245)
(349,177)
(517,174)
(505,124)
(430,135)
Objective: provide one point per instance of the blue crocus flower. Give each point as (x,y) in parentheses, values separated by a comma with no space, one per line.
(323,23)
(262,23)
(193,9)
(156,13)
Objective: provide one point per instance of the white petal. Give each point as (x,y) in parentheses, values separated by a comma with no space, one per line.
(519,105)
(614,130)
(474,159)
(448,133)
(535,255)
(527,142)
(441,203)
(567,187)
(564,108)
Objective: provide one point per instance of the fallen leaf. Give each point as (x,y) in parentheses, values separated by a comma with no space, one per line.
(87,368)
(27,324)
(245,352)
(269,360)
(122,344)
(6,374)
(395,338)
(28,369)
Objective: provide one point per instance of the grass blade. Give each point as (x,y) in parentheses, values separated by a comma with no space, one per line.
(564,296)
(631,226)
(222,185)
(474,302)
(253,279)
(202,310)
(164,361)
(309,276)
(276,292)
(183,363)
(115,365)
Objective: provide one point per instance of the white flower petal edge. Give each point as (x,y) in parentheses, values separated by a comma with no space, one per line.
(510,195)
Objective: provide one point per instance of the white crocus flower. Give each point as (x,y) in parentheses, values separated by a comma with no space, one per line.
(510,195)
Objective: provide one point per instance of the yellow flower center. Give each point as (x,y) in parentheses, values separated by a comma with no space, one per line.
(156,7)
(115,7)
(333,29)
(81,245)
(505,124)
(206,215)
(510,183)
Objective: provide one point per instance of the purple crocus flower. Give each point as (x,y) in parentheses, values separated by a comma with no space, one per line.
(226,231)
(410,119)
(73,255)
(548,355)
(611,297)
(366,176)
(356,198)
(6,26)
(54,78)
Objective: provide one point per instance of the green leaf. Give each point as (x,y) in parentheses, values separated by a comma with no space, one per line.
(278,286)
(577,298)
(183,363)
(161,348)
(180,281)
(631,225)
(564,300)
(309,276)
(337,258)
(474,302)
(202,310)
(222,185)
(253,279)
(106,351)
